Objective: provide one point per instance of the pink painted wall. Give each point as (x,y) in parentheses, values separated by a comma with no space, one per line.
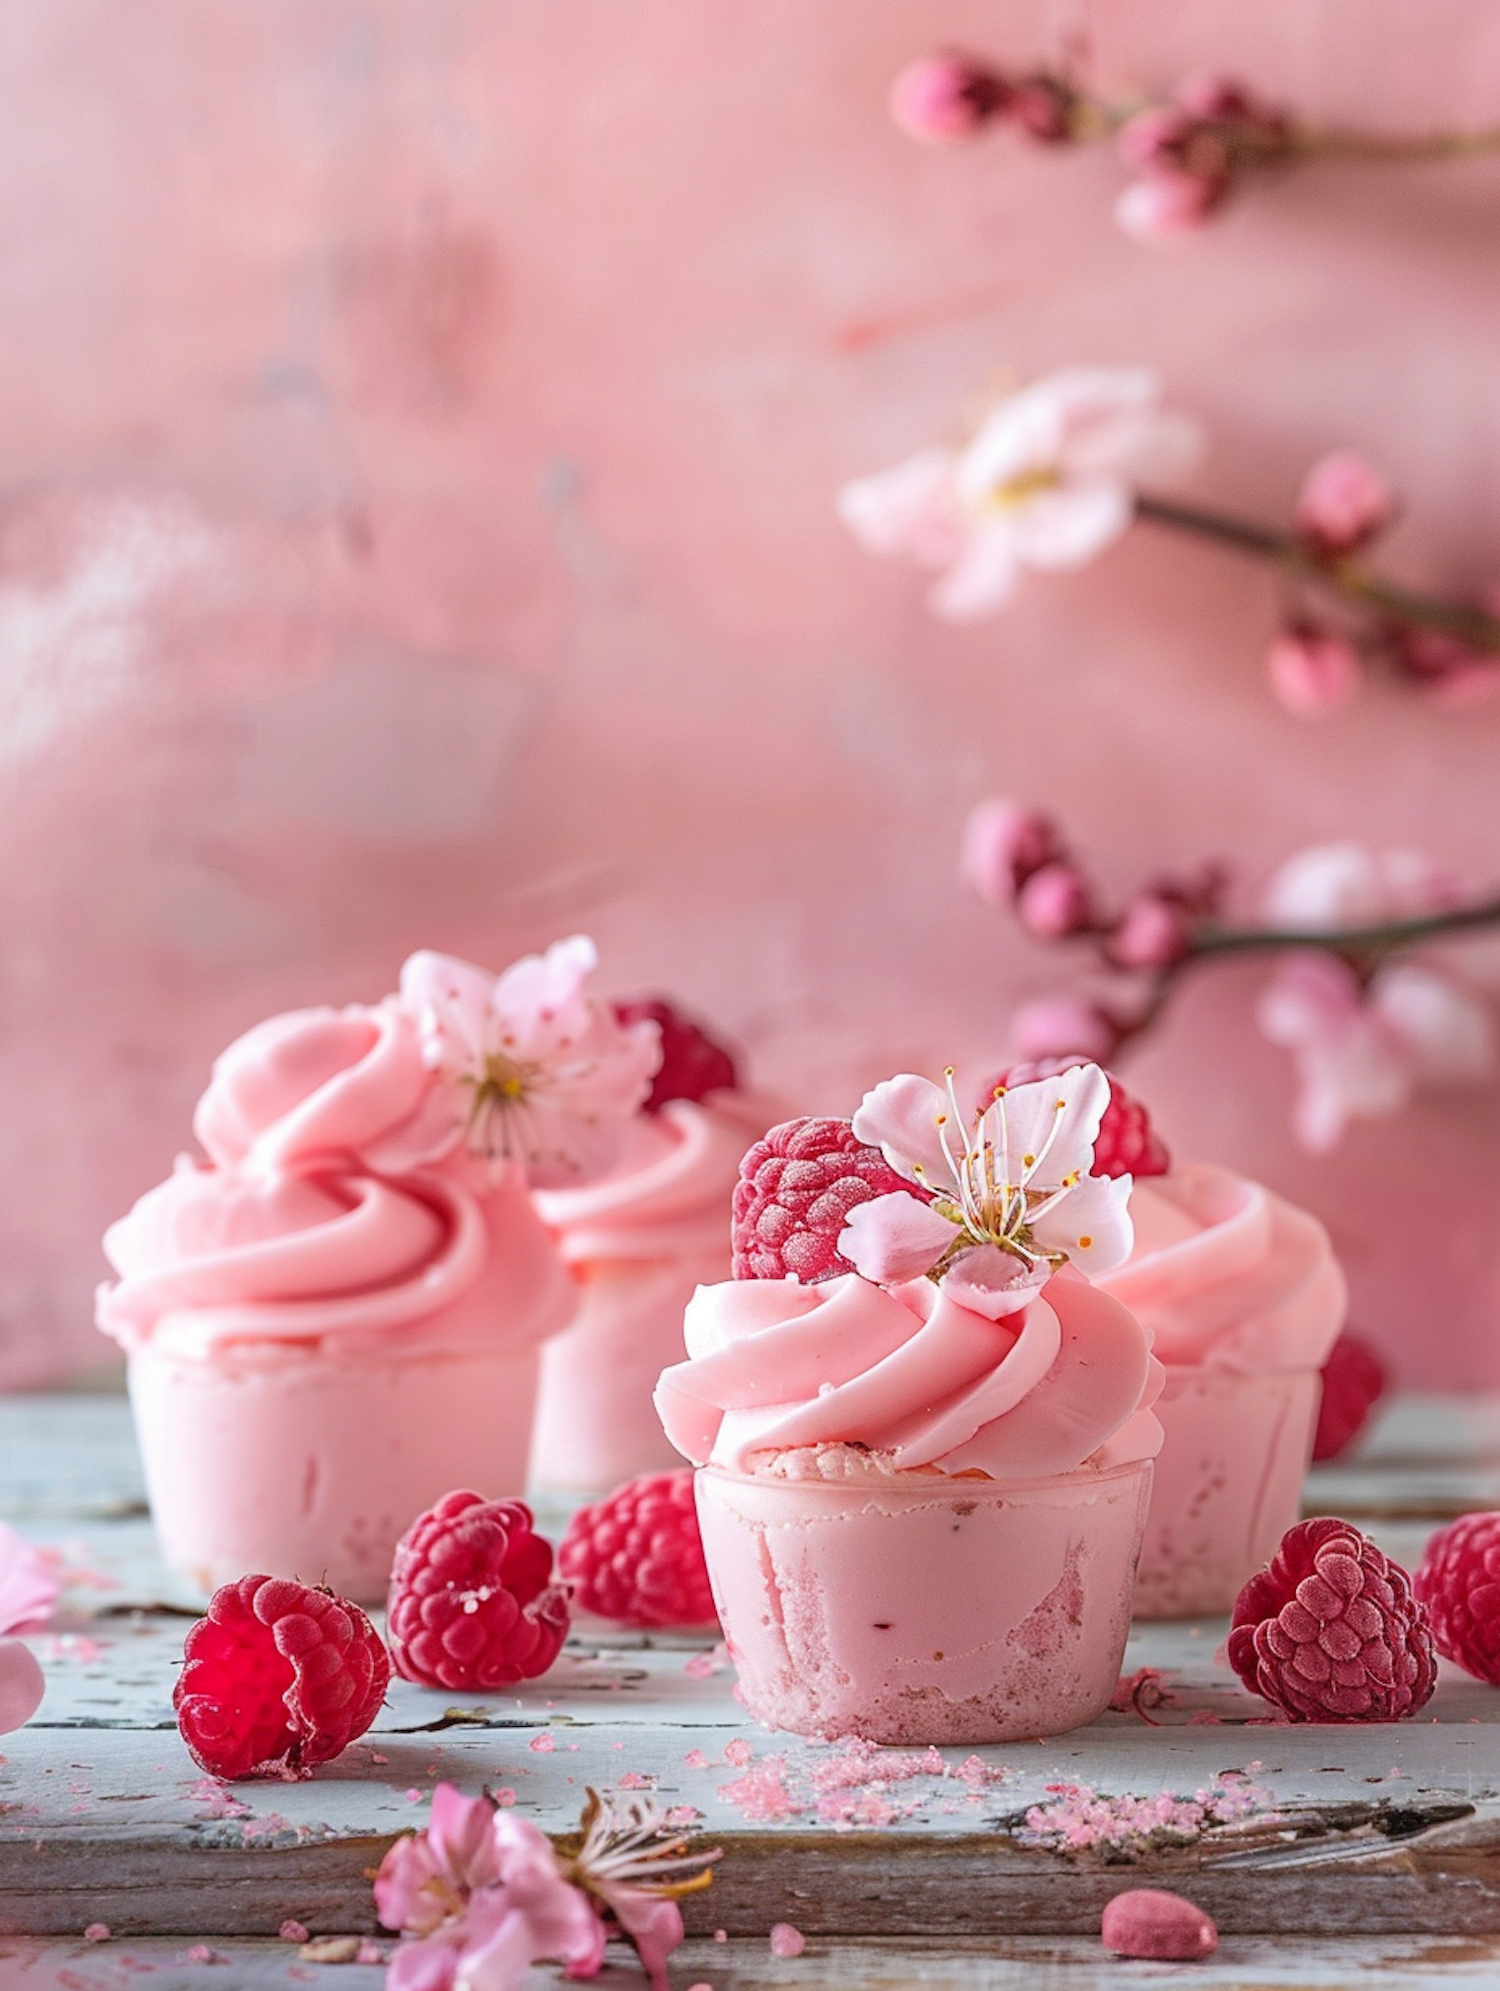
(418,430)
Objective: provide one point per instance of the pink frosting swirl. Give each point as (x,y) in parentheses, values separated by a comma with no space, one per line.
(1226,1272)
(313,1083)
(326,1215)
(671,1196)
(910,1375)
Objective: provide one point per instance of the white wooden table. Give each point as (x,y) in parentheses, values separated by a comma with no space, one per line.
(1361,1849)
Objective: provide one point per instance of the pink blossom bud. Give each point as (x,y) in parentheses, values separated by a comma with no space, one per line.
(1344,502)
(1064,1027)
(1044,107)
(1220,98)
(1154,136)
(1153,932)
(1312,671)
(944,99)
(1054,901)
(1164,206)
(1003,844)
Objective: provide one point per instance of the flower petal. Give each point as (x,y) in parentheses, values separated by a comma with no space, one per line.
(1091,1224)
(983,573)
(993,1282)
(539,1006)
(895,1238)
(22,1684)
(909,508)
(1449,1032)
(28,1589)
(1068,526)
(905,1117)
(1045,1130)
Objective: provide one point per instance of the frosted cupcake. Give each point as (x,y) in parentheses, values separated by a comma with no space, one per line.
(336,1317)
(925,1461)
(1244,1300)
(640,1242)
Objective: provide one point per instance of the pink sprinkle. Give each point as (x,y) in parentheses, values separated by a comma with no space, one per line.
(505,1799)
(721,1935)
(376,1757)
(762,1794)
(695,1759)
(201,1953)
(543,1744)
(787,1941)
(738,1752)
(414,1796)
(292,1932)
(96,1932)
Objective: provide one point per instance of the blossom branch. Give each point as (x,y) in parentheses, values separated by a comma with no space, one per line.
(1366,1016)
(1187,153)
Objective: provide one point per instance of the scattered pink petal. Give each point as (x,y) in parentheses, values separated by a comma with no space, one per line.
(292,1932)
(787,1941)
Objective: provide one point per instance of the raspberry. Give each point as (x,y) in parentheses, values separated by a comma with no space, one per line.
(1354,1381)
(637,1557)
(1126,1143)
(1458,1580)
(472,1601)
(794,1195)
(692,1064)
(276,1678)
(1331,1631)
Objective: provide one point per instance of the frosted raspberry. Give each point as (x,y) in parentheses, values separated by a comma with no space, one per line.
(472,1601)
(692,1064)
(1127,1143)
(794,1195)
(1331,1631)
(1354,1381)
(276,1678)
(1458,1580)
(637,1557)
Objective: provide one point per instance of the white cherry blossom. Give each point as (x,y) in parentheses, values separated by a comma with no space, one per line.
(1011,1196)
(1047,481)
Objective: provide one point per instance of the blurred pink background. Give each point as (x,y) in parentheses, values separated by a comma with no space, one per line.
(420,426)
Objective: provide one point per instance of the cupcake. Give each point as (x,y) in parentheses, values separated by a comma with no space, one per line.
(336,1316)
(640,1241)
(925,1457)
(1244,1299)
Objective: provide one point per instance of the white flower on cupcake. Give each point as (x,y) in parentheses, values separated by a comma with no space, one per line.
(1004,1197)
(543,1072)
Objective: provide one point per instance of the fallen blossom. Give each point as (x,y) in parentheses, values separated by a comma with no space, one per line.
(1047,481)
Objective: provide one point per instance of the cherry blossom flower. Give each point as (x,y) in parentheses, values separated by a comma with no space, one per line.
(1047,482)
(551,1077)
(1343,504)
(28,1591)
(1011,1195)
(637,1866)
(1363,1043)
(482,1893)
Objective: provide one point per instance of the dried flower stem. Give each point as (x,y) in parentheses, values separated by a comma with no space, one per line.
(1343,578)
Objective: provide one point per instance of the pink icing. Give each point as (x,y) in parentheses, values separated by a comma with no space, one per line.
(1226,1272)
(314,1222)
(670,1196)
(913,1377)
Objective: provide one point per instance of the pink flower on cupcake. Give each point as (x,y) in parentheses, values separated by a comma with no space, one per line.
(999,1199)
(540,1071)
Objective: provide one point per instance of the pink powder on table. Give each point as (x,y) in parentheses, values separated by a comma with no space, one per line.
(787,1941)
(1079,1819)
(218,1802)
(762,1794)
(738,1752)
